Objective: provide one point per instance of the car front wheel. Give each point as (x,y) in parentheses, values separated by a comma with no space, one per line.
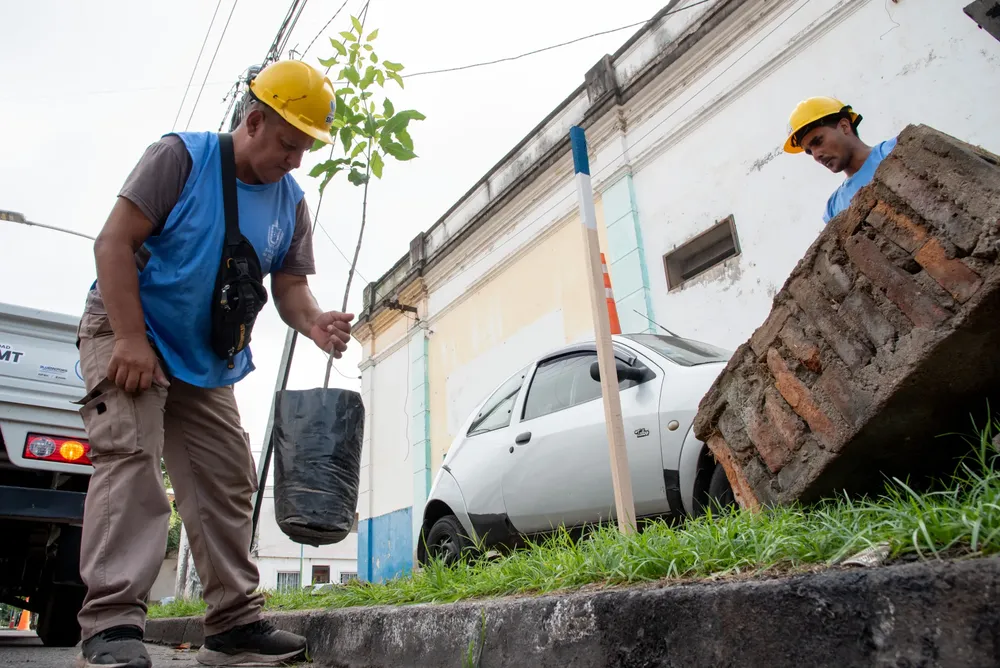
(447,541)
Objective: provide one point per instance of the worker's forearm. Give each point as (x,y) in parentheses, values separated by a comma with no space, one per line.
(297,307)
(118,281)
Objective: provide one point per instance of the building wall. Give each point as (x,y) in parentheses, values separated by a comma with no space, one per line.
(726,155)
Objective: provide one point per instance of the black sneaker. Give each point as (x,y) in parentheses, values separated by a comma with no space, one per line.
(256,644)
(117,647)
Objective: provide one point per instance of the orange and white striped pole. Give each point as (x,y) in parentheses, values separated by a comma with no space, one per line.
(616,327)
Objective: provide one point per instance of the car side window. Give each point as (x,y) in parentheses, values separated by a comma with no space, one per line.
(495,413)
(563,383)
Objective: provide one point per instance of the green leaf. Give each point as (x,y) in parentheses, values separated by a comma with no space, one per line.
(398,151)
(388,109)
(349,36)
(346,137)
(328,62)
(395,77)
(326,179)
(351,74)
(369,47)
(391,66)
(412,115)
(372,35)
(404,138)
(357,24)
(317,145)
(338,46)
(374,58)
(368,79)
(359,148)
(344,91)
(327,167)
(377,165)
(357,178)
(370,126)
(380,77)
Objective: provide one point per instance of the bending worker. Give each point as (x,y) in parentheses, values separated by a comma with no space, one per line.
(157,385)
(827,129)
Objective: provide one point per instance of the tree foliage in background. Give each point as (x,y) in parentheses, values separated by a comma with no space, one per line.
(174,533)
(366,126)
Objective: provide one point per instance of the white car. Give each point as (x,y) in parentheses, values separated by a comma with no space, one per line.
(534,455)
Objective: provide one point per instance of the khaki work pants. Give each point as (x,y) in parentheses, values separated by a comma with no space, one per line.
(197,431)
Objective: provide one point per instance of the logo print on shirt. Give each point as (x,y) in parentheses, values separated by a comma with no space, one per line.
(274,236)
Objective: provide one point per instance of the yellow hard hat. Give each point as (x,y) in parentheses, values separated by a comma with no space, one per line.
(300,94)
(810,111)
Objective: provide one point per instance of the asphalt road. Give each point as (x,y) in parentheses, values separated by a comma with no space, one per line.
(24,650)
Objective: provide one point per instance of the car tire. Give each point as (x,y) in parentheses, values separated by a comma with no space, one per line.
(57,622)
(720,492)
(447,540)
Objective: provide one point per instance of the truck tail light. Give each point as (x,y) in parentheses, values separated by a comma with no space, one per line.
(57,449)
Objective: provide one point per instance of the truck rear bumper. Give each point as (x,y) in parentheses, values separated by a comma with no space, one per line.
(46,505)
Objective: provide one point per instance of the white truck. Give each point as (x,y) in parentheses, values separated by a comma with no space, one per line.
(44,469)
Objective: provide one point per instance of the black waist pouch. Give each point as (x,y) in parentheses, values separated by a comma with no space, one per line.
(239,293)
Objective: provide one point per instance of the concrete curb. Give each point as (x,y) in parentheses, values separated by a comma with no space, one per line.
(922,614)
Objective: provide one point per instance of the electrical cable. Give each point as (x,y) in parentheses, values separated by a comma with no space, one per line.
(196,61)
(221,37)
(342,254)
(551,47)
(636,142)
(323,29)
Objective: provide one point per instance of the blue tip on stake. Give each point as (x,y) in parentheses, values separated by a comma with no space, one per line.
(578,140)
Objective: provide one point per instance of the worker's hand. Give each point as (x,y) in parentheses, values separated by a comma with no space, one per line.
(134,365)
(332,331)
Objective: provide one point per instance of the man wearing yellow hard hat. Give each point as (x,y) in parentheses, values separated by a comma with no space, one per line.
(827,129)
(198,224)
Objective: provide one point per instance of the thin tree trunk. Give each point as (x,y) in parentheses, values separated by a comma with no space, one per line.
(354,262)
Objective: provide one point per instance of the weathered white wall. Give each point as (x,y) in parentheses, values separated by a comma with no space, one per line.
(392,471)
(935,68)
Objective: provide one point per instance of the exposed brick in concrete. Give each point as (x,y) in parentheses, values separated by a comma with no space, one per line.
(885,328)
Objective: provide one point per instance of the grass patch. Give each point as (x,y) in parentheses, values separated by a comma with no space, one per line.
(961,517)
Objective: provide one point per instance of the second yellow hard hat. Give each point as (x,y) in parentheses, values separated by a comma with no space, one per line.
(810,111)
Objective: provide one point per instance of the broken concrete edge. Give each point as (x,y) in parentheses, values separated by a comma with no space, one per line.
(937,612)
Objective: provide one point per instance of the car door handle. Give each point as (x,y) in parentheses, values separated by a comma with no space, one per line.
(523,438)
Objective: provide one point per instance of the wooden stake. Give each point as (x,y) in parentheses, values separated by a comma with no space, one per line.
(621,477)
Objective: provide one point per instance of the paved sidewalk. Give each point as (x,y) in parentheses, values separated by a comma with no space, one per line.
(24,650)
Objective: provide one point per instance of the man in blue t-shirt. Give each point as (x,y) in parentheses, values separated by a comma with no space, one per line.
(827,129)
(156,388)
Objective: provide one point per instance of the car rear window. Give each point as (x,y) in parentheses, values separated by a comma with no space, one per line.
(685,352)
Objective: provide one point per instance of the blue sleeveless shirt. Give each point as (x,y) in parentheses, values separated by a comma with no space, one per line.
(176,285)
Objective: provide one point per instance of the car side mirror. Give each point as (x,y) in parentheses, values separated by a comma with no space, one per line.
(624,371)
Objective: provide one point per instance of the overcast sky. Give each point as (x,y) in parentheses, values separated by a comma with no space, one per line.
(88,85)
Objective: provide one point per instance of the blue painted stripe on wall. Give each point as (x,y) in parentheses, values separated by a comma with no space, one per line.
(385,546)
(578,140)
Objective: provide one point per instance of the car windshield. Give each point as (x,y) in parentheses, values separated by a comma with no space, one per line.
(682,351)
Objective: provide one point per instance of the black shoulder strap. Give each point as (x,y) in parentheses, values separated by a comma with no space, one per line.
(229,201)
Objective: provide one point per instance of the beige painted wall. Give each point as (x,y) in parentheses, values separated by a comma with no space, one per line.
(549,277)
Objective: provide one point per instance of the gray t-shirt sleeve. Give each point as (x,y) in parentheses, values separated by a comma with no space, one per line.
(299,259)
(156,182)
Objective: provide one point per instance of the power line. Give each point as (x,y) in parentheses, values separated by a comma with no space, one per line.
(342,254)
(553,46)
(323,29)
(207,72)
(640,139)
(196,61)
